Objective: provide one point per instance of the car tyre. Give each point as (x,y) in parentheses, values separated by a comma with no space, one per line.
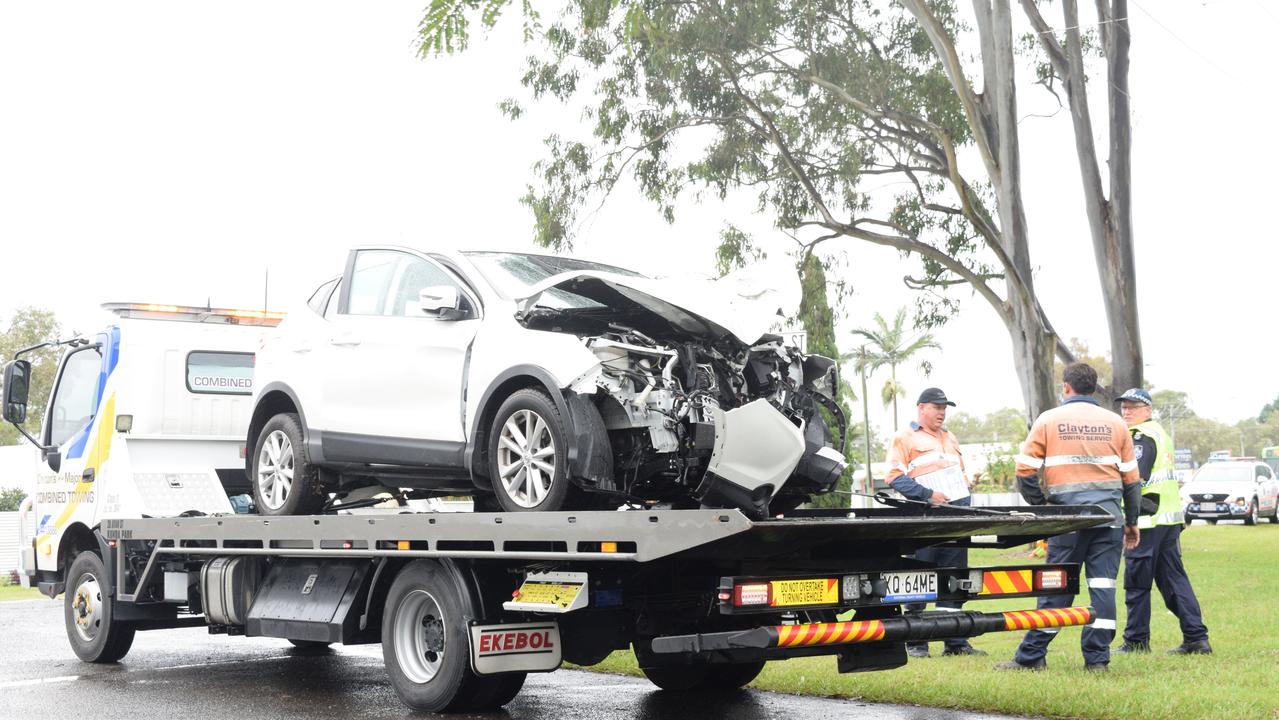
(285,482)
(527,450)
(1251,517)
(89,611)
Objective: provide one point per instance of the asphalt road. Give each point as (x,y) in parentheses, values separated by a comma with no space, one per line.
(188,673)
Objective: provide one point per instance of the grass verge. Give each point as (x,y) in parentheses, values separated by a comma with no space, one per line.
(1235,573)
(17,592)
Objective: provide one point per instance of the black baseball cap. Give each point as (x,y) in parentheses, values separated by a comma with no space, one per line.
(1136,395)
(934,396)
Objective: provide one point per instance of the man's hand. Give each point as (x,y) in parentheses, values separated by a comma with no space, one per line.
(938,498)
(1132,536)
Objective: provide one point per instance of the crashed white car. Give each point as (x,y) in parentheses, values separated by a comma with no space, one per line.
(534,382)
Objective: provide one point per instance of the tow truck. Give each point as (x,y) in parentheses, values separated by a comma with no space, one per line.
(465,605)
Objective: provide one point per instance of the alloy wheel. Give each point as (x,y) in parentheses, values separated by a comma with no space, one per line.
(275,469)
(526,458)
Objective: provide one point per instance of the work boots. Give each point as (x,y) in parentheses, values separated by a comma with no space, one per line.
(1134,647)
(1198,647)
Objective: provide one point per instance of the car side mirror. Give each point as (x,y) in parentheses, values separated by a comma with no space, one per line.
(442,301)
(17,385)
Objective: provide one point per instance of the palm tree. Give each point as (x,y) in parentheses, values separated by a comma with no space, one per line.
(864,362)
(889,345)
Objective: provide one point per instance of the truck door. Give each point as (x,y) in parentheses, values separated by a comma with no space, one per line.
(81,428)
(393,376)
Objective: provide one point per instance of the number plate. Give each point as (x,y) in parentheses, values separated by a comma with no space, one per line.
(910,586)
(818,591)
(1207,507)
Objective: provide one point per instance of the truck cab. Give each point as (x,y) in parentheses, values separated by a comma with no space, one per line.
(146,418)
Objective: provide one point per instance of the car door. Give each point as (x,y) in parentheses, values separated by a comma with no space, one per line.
(394,375)
(1267,490)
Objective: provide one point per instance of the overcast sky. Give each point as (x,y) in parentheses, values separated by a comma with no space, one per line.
(177,152)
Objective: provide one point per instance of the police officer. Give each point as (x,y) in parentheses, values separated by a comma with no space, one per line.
(1158,556)
(1081,454)
(924,463)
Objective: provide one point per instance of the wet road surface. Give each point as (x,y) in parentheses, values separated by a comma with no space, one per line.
(189,673)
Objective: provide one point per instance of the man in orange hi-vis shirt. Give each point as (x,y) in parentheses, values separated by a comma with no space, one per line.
(1081,454)
(924,463)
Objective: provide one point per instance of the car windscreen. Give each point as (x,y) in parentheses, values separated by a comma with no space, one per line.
(1225,472)
(512,274)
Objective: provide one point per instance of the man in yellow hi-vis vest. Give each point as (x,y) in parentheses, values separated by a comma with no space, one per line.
(1157,557)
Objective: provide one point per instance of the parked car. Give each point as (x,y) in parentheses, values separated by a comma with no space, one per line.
(538,383)
(1232,490)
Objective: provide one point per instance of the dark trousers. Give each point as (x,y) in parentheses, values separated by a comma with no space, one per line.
(1158,558)
(1099,549)
(942,557)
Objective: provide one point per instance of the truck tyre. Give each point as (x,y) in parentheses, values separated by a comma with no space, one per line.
(704,677)
(528,454)
(284,480)
(89,612)
(426,645)
(677,678)
(732,677)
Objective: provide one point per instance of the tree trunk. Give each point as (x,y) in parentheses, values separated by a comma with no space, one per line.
(1109,221)
(896,427)
(869,484)
(1033,348)
(1119,280)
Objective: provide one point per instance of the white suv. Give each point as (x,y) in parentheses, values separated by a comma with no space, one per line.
(543,383)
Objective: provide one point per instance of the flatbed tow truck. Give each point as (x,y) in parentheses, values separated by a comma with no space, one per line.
(465,604)
(137,532)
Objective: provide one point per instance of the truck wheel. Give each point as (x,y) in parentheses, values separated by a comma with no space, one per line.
(528,454)
(677,678)
(731,677)
(426,647)
(284,480)
(89,611)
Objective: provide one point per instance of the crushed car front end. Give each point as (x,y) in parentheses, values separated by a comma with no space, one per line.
(693,414)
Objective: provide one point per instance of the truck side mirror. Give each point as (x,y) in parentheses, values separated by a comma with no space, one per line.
(17,385)
(53,457)
(442,301)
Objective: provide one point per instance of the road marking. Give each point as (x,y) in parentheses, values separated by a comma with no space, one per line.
(37,681)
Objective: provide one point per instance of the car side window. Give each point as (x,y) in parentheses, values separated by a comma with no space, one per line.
(1264,472)
(389,283)
(319,301)
(75,399)
(331,309)
(371,279)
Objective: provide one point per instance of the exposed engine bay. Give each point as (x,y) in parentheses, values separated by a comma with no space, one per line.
(696,417)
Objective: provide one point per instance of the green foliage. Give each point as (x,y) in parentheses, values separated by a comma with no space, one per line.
(793,102)
(1100,363)
(1005,425)
(1267,410)
(10,497)
(445,28)
(736,250)
(31,326)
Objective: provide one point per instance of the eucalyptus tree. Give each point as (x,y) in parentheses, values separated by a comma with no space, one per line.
(800,103)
